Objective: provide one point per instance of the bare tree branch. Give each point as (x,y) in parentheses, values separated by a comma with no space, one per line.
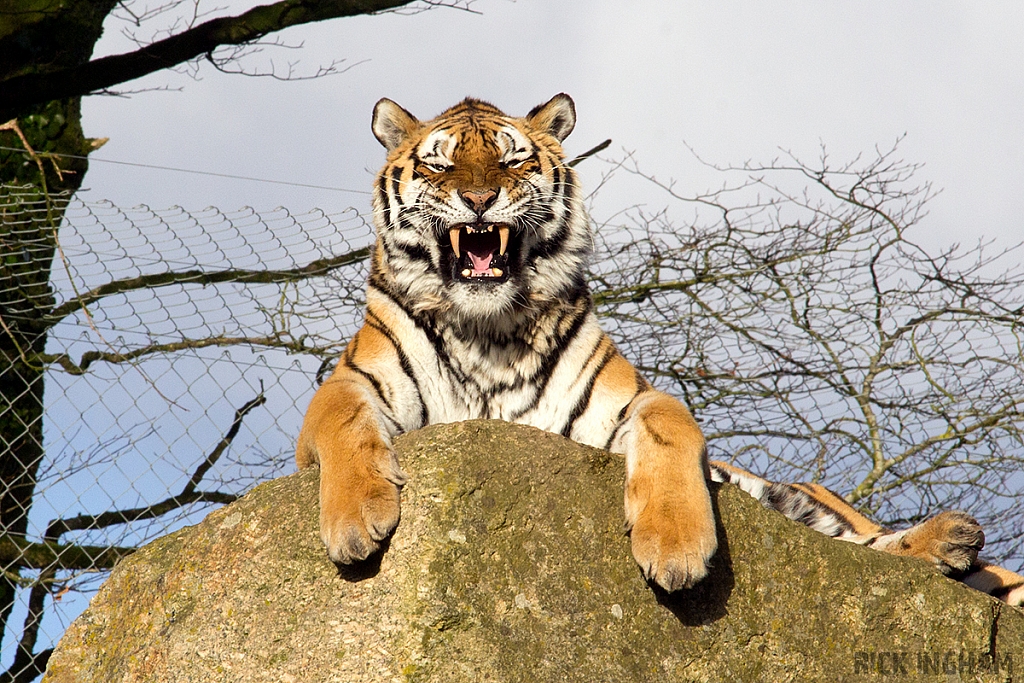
(590,152)
(186,496)
(16,551)
(49,556)
(214,455)
(27,666)
(814,339)
(277,341)
(129,515)
(203,277)
(27,90)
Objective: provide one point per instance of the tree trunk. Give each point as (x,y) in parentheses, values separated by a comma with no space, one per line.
(31,212)
(35,37)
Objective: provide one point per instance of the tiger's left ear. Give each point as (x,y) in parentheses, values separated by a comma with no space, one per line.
(392,123)
(556,117)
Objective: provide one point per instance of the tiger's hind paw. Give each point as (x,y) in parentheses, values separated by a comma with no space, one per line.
(950,541)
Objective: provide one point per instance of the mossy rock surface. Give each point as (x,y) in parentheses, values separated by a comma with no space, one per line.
(510,565)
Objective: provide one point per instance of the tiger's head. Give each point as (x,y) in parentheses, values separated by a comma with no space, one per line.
(477,213)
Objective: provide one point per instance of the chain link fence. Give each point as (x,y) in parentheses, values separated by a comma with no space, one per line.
(177,350)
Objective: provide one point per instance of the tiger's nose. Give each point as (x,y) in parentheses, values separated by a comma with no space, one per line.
(479,201)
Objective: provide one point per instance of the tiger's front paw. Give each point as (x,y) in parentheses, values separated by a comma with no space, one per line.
(356,516)
(673,541)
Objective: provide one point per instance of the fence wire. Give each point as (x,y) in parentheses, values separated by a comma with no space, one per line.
(177,350)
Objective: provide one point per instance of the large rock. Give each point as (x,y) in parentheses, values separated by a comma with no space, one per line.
(510,565)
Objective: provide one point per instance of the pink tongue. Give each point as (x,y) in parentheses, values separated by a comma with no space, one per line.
(481,264)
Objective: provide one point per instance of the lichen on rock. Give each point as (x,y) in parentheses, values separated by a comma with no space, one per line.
(510,564)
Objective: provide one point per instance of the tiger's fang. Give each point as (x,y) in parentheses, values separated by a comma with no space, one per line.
(453,235)
(503,237)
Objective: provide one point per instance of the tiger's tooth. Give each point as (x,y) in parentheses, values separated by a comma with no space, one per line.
(497,272)
(467,272)
(453,235)
(503,238)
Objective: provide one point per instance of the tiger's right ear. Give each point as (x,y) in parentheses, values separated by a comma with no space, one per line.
(392,124)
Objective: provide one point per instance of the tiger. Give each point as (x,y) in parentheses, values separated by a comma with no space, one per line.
(477,306)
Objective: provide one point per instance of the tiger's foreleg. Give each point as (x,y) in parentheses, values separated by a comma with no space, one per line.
(360,478)
(668,507)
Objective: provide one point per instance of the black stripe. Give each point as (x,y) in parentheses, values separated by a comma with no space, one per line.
(552,245)
(386,244)
(371,379)
(1003,592)
(805,509)
(414,252)
(396,181)
(575,288)
(440,350)
(555,243)
(391,207)
(840,516)
(347,359)
(641,382)
(721,472)
(551,360)
(780,498)
(621,420)
(403,360)
(775,497)
(382,191)
(399,429)
(841,519)
(583,402)
(384,287)
(423,324)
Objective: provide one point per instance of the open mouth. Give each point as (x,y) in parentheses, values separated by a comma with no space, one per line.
(481,252)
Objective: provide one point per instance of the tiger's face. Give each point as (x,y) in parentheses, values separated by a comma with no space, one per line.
(476,211)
